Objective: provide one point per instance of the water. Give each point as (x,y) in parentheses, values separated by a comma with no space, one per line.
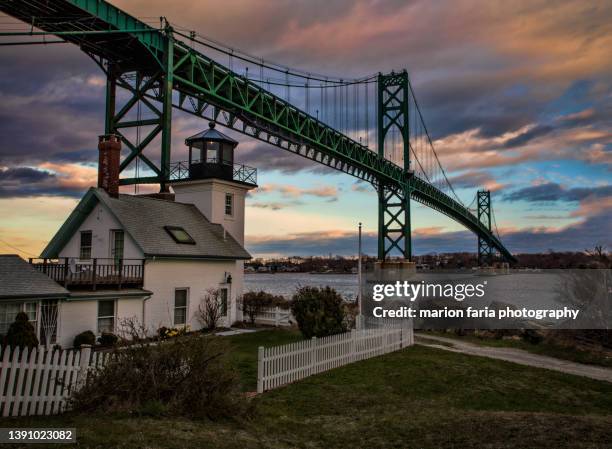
(286,284)
(520,289)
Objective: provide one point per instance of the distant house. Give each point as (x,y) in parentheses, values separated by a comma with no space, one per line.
(24,289)
(152,258)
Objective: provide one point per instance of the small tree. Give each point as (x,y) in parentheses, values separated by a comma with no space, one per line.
(318,312)
(21,332)
(212,308)
(131,329)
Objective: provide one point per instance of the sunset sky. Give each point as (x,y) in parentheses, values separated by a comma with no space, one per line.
(517,97)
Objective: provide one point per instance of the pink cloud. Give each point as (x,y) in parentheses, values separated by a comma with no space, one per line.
(291,191)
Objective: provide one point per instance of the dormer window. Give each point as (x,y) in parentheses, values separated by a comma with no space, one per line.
(179,235)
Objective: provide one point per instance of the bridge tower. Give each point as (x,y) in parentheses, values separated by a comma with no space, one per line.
(394,201)
(147,110)
(486,251)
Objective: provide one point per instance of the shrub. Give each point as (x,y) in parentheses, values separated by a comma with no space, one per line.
(532,336)
(254,302)
(212,309)
(185,376)
(131,329)
(108,339)
(281,302)
(21,332)
(318,312)
(84,338)
(161,332)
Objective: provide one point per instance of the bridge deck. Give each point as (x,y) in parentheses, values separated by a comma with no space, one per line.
(98,18)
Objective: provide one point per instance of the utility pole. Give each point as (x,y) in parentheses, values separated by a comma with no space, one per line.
(359,273)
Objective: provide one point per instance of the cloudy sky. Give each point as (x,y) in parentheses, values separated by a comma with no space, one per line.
(517,97)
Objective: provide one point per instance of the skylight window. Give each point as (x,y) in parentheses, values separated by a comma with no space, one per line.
(179,235)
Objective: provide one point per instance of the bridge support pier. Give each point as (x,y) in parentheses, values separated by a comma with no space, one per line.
(394,232)
(486,250)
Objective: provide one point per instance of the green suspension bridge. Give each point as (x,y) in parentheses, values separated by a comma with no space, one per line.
(153,68)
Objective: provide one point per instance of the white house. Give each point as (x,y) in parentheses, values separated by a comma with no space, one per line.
(152,258)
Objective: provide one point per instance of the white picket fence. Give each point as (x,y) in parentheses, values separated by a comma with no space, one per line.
(281,365)
(39,381)
(275,316)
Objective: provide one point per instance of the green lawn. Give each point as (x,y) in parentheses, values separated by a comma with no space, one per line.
(415,398)
(244,351)
(543,348)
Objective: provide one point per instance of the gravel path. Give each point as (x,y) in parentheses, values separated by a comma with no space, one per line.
(519,356)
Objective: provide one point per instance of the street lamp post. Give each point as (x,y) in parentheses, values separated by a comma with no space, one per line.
(359,273)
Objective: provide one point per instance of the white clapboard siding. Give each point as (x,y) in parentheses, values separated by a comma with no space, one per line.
(275,316)
(39,381)
(281,365)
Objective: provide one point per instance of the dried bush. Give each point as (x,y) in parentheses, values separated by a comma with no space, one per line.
(21,332)
(132,330)
(188,376)
(318,312)
(211,309)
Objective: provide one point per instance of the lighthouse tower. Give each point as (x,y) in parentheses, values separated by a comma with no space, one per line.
(213,182)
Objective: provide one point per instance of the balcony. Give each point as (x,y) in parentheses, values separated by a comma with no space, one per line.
(93,274)
(213,168)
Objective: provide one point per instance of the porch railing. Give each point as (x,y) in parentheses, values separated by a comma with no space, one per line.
(184,170)
(93,273)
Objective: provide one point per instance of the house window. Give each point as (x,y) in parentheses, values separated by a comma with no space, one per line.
(31,308)
(179,235)
(223,298)
(106,316)
(229,204)
(117,244)
(9,310)
(85,253)
(180,306)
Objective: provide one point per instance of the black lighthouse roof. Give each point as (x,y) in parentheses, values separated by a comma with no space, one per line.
(209,135)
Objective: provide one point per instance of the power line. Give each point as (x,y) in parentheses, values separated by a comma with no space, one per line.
(17,249)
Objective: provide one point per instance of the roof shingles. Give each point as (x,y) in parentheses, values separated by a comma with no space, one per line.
(18,279)
(145,218)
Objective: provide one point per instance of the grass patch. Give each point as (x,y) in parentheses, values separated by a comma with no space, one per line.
(418,397)
(244,351)
(543,348)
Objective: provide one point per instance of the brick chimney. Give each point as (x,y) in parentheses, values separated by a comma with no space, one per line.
(109,146)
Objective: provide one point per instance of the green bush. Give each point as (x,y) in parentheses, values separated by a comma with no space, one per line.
(318,312)
(532,336)
(21,333)
(84,338)
(254,302)
(108,339)
(187,376)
